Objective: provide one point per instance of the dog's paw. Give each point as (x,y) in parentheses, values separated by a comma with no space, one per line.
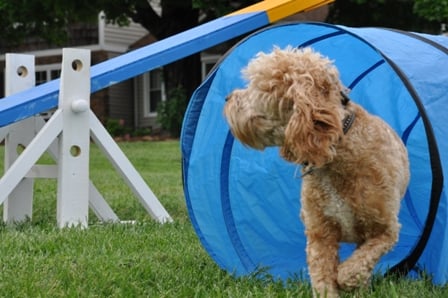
(352,276)
(326,293)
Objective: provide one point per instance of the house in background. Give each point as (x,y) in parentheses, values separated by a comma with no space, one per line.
(134,101)
(105,41)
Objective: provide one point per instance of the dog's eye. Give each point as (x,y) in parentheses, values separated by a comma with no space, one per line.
(321,124)
(259,117)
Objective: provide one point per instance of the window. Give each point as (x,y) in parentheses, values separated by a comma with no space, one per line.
(207,63)
(153,91)
(45,73)
(41,77)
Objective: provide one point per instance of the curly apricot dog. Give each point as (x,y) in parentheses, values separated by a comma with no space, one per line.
(355,168)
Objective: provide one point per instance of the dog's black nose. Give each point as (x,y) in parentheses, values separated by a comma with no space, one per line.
(227,98)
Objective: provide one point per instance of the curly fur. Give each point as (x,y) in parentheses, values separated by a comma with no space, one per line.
(292,100)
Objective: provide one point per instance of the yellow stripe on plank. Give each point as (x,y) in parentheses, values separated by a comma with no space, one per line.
(279,9)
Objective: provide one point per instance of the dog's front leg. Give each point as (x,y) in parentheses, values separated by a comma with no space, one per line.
(322,258)
(357,269)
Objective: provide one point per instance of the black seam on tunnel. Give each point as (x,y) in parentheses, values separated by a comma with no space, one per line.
(409,262)
(422,39)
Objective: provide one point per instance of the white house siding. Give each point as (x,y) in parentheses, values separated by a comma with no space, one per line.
(118,39)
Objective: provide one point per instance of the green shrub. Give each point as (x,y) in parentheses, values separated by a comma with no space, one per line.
(116,127)
(170,113)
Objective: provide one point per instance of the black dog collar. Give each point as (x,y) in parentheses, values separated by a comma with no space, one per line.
(348,121)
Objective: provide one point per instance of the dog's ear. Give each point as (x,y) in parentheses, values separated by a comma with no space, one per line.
(312,131)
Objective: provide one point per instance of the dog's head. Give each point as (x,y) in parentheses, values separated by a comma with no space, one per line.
(292,100)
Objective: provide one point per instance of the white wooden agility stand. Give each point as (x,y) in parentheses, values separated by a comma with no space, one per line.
(66,137)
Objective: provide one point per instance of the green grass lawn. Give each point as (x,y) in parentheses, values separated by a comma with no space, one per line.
(145,259)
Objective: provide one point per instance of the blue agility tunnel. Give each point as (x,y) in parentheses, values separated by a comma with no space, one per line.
(244,204)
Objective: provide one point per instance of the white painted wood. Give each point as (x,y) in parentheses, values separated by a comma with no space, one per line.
(19,73)
(30,155)
(130,175)
(53,149)
(66,137)
(19,76)
(100,207)
(74,143)
(43,171)
(19,205)
(96,201)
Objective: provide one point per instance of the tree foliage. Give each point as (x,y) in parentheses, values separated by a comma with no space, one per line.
(50,20)
(433,10)
(410,15)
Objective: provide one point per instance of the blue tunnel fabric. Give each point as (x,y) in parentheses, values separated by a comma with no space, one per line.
(244,204)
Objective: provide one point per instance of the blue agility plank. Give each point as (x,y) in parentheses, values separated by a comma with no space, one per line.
(44,97)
